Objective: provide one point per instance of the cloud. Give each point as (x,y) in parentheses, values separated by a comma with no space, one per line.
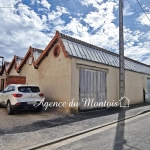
(46,4)
(137,46)
(127,11)
(100,28)
(91,2)
(143,19)
(58,13)
(103,15)
(95,22)
(76,29)
(21,27)
(43,3)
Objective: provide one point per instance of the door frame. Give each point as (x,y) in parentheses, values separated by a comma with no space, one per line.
(81,66)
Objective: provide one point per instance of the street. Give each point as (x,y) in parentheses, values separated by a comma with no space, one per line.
(75,75)
(28,129)
(132,134)
(24,121)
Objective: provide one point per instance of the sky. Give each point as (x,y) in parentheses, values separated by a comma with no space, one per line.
(25,23)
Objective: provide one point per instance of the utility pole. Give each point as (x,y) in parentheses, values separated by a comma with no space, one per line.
(121,54)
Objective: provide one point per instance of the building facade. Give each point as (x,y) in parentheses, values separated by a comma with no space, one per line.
(69,69)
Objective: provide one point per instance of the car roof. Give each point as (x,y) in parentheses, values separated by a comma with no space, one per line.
(17,85)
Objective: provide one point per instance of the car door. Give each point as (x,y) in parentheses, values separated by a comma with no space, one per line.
(9,94)
(3,96)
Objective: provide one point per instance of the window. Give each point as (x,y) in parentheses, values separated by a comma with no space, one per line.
(11,88)
(6,89)
(56,51)
(29,89)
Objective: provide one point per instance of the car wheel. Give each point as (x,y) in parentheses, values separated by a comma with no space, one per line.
(39,108)
(10,111)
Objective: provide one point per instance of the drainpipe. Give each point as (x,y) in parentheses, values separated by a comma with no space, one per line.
(144,95)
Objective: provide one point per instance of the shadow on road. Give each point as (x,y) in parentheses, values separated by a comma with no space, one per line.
(71,118)
(119,139)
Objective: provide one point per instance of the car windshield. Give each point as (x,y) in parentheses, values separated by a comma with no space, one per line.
(28,89)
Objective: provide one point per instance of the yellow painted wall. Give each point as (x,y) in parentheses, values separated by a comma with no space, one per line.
(53,76)
(135,82)
(30,73)
(13,71)
(58,79)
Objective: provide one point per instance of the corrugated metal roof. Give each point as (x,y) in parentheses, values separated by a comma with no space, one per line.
(7,64)
(36,53)
(18,60)
(80,49)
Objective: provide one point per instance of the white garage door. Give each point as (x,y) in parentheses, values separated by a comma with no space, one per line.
(92,87)
(148,90)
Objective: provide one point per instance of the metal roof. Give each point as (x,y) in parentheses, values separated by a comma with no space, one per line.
(18,60)
(36,53)
(7,64)
(80,49)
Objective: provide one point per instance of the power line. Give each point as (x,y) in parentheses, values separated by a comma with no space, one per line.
(138,14)
(143,10)
(33,5)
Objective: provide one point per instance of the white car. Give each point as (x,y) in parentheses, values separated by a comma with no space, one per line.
(19,96)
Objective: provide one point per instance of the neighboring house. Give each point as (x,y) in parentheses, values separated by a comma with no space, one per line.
(6,66)
(11,68)
(69,68)
(72,69)
(31,56)
(1,65)
(3,74)
(18,62)
(26,67)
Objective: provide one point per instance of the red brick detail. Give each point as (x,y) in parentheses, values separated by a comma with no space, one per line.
(56,51)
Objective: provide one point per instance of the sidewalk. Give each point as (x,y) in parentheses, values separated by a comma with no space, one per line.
(69,124)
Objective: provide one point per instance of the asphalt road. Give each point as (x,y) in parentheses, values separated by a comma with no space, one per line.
(24,121)
(25,129)
(133,134)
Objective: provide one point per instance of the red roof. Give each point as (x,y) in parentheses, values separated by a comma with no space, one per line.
(13,62)
(28,54)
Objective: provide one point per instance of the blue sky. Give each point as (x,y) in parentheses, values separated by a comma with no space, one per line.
(34,22)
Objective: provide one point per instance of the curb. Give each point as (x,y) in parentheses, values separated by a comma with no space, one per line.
(50,142)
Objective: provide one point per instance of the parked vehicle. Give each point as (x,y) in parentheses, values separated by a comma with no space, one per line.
(21,96)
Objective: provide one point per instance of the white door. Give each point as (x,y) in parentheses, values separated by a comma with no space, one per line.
(92,88)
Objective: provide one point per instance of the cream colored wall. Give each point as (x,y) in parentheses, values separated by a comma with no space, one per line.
(30,73)
(145,77)
(111,79)
(53,76)
(58,79)
(135,82)
(13,71)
